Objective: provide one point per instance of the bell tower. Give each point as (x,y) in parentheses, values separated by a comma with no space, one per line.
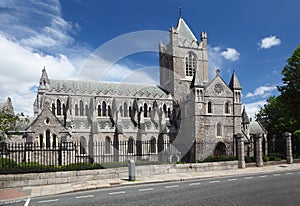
(183,61)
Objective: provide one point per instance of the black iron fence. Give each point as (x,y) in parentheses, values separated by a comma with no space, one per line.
(35,157)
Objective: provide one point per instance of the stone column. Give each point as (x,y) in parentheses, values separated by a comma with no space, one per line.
(259,153)
(288,141)
(240,151)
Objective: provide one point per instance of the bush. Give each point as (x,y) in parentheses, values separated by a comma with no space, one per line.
(277,158)
(29,165)
(266,158)
(7,164)
(249,159)
(218,159)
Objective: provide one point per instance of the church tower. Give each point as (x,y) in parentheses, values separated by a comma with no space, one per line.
(183,61)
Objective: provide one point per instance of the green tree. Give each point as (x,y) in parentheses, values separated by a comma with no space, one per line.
(10,122)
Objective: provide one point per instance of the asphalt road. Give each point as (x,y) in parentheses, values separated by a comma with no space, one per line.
(262,189)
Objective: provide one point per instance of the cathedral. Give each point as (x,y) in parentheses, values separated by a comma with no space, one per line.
(197,116)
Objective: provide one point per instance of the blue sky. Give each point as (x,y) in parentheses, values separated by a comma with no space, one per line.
(254,38)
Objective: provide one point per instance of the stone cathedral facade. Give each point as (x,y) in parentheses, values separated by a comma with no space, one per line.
(199,116)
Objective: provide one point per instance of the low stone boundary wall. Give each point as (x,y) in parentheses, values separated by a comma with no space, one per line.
(52,178)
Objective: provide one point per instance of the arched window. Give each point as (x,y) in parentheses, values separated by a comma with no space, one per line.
(190,64)
(153,145)
(165,109)
(108,111)
(121,111)
(219,130)
(58,107)
(83,146)
(169,112)
(99,110)
(145,110)
(107,145)
(47,139)
(64,110)
(104,108)
(76,110)
(125,110)
(53,108)
(81,109)
(54,141)
(209,107)
(130,145)
(41,141)
(130,112)
(86,110)
(227,108)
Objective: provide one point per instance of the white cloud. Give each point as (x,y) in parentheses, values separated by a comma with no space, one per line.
(262,91)
(231,54)
(269,42)
(253,108)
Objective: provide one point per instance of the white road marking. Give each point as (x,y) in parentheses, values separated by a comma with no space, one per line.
(276,175)
(116,193)
(87,196)
(214,181)
(46,201)
(146,189)
(289,173)
(263,176)
(171,186)
(195,183)
(27,202)
(230,180)
(248,178)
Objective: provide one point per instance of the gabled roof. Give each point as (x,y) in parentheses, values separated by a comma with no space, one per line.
(234,82)
(257,128)
(184,31)
(111,88)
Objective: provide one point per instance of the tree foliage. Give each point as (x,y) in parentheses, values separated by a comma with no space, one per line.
(282,113)
(10,123)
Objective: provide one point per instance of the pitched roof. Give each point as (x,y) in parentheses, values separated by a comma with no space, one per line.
(256,128)
(109,88)
(184,31)
(234,82)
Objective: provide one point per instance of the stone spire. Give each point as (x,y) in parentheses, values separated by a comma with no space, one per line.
(245,118)
(44,80)
(184,31)
(234,82)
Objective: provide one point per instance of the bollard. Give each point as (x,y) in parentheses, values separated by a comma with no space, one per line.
(131,170)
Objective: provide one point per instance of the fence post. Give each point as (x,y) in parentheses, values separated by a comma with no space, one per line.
(258,142)
(288,141)
(240,151)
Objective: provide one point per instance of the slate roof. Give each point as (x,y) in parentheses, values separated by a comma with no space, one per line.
(234,82)
(184,30)
(257,128)
(106,88)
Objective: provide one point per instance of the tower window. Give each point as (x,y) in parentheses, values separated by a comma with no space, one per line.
(58,107)
(190,64)
(219,130)
(227,109)
(209,108)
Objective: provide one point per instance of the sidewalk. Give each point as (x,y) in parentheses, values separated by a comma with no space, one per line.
(22,193)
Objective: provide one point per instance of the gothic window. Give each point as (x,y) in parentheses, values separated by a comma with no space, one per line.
(121,111)
(99,110)
(54,141)
(108,111)
(227,108)
(41,141)
(130,111)
(153,145)
(64,110)
(58,107)
(190,64)
(130,145)
(125,110)
(209,107)
(104,108)
(107,145)
(83,146)
(47,139)
(219,130)
(165,109)
(169,112)
(76,110)
(145,110)
(160,143)
(81,109)
(86,110)
(53,108)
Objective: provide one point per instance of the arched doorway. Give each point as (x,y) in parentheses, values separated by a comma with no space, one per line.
(220,149)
